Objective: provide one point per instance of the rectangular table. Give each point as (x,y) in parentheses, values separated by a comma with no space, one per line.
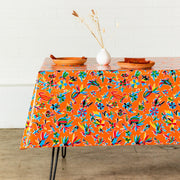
(94,105)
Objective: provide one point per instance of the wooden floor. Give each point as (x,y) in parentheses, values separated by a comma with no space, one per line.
(81,163)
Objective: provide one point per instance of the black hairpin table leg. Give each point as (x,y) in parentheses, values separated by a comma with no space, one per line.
(63,150)
(52,161)
(56,162)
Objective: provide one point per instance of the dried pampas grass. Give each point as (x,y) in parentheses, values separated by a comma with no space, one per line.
(95,19)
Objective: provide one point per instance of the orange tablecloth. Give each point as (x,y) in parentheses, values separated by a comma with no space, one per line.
(95,105)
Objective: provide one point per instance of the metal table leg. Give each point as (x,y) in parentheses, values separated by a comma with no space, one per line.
(52,161)
(63,150)
(56,162)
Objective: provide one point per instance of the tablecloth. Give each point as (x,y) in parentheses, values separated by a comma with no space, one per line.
(94,105)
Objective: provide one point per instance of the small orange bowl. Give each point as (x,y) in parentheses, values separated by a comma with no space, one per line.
(69,61)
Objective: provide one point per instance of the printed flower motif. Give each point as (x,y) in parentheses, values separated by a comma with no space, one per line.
(172,72)
(128,133)
(37,117)
(172,105)
(100,106)
(100,73)
(61,97)
(82,112)
(165,92)
(124,75)
(141,107)
(55,106)
(93,93)
(154,111)
(120,112)
(134,83)
(68,108)
(55,141)
(144,79)
(40,106)
(127,105)
(56,134)
(62,84)
(133,96)
(52,76)
(82,75)
(127,140)
(154,74)
(49,114)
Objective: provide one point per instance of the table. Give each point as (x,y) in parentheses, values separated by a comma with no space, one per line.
(93,105)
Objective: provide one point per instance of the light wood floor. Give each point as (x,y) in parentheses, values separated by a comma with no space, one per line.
(91,163)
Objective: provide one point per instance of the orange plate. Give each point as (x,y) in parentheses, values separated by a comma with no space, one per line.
(124,65)
(69,61)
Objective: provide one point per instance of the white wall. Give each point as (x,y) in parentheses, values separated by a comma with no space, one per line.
(32,29)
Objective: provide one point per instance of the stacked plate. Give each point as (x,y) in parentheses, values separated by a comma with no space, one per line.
(68,61)
(136,63)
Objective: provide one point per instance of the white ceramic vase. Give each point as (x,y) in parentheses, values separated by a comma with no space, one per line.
(103,57)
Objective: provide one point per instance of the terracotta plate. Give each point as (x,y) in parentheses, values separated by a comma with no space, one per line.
(124,65)
(69,61)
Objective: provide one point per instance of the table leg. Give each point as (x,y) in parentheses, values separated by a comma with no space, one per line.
(63,150)
(56,161)
(52,161)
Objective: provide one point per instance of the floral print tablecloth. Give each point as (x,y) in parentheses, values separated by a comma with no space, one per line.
(72,107)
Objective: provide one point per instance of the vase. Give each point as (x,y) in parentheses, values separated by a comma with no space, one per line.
(103,57)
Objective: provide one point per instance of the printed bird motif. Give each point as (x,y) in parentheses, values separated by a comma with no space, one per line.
(45,97)
(135,119)
(86,103)
(93,83)
(116,95)
(149,91)
(77,92)
(166,82)
(135,122)
(63,120)
(158,102)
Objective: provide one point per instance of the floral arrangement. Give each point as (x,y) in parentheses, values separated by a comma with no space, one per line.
(95,19)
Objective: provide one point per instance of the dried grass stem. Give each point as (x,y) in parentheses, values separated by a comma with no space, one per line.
(90,29)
